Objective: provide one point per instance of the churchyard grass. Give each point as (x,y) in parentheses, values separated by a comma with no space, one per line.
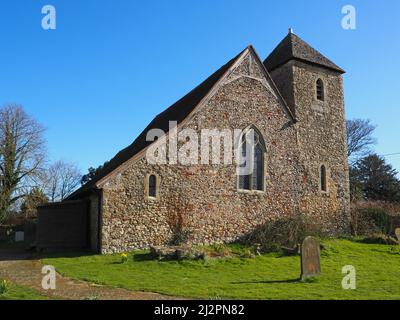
(16,292)
(269,276)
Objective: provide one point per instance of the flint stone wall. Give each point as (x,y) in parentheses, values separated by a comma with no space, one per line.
(322,141)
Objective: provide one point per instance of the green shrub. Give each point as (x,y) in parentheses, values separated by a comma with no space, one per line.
(219,251)
(222,250)
(380,218)
(230,250)
(247,254)
(124,257)
(287,232)
(3,287)
(371,217)
(378,239)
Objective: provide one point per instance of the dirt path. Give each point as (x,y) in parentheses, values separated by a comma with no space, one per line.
(23,269)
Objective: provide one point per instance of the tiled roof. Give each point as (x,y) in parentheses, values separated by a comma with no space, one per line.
(294,48)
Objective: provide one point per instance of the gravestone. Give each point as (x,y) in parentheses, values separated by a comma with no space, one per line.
(397,232)
(19,236)
(310,258)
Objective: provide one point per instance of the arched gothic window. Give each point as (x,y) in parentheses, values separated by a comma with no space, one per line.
(251,162)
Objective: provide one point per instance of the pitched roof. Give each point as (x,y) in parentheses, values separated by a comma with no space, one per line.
(177,112)
(294,48)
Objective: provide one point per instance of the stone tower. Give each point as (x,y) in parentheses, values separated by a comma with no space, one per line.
(312,86)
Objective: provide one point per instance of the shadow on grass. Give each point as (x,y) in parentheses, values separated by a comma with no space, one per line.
(268,281)
(64,254)
(15,255)
(137,257)
(145,256)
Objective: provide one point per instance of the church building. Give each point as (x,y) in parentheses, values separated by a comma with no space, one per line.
(291,104)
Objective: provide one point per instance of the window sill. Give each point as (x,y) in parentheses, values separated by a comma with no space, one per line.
(151,199)
(250,191)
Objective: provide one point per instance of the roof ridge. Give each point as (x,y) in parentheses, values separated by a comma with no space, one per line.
(291,36)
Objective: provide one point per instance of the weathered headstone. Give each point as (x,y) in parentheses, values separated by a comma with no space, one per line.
(19,236)
(310,258)
(397,232)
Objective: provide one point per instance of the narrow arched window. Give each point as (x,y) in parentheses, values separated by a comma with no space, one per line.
(320,90)
(323,178)
(251,166)
(152,186)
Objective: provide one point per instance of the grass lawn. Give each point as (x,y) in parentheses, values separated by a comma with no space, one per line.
(269,276)
(15,292)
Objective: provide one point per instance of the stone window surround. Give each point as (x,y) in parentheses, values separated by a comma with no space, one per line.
(324,80)
(146,187)
(254,191)
(320,86)
(320,106)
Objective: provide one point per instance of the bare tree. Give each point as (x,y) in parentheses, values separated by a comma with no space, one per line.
(60,180)
(22,153)
(359,137)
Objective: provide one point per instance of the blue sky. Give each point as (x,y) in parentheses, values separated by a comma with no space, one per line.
(111,65)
